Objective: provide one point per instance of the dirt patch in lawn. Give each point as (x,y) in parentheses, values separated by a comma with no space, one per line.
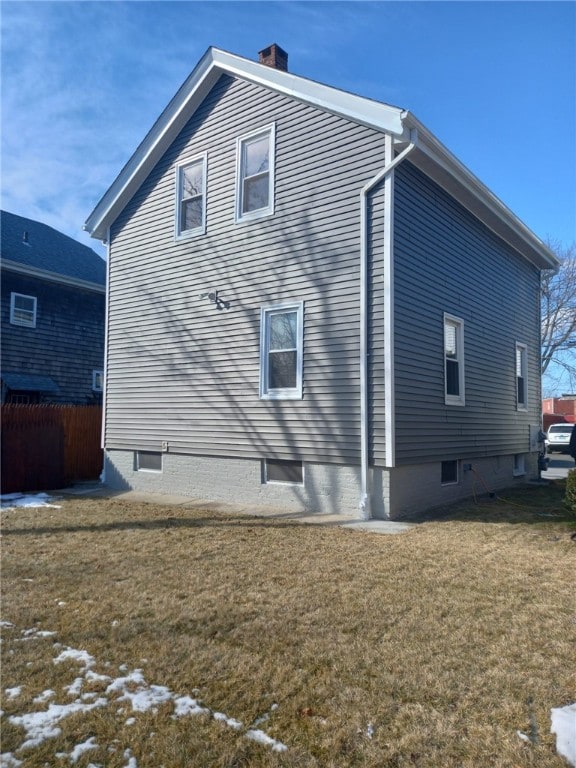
(269,643)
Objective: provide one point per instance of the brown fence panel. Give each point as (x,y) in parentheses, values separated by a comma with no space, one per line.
(83,455)
(49,446)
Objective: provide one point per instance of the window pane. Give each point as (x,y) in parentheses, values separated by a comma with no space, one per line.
(256,155)
(255,193)
(192,180)
(283,330)
(282,370)
(191,214)
(449,473)
(278,471)
(450,341)
(521,396)
(452,378)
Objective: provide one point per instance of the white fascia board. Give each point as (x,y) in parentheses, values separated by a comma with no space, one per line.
(52,277)
(357,108)
(190,95)
(479,199)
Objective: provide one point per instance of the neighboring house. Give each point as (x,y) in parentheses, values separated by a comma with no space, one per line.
(53,315)
(313,305)
(564,406)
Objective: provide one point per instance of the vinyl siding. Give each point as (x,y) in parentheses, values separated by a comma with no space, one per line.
(182,371)
(447,261)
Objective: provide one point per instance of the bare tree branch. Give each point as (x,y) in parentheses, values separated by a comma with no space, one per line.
(558,309)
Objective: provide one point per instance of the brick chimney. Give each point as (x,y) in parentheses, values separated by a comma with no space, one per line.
(274,56)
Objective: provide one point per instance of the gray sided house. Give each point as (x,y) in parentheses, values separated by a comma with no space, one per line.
(313,305)
(53,315)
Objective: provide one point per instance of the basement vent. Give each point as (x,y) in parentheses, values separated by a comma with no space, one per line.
(278,471)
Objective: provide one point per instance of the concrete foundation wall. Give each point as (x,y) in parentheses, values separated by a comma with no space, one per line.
(326,489)
(417,488)
(399,493)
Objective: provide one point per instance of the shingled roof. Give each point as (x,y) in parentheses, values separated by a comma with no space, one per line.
(34,246)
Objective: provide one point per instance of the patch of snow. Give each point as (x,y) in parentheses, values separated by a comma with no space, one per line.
(564,726)
(30,501)
(6,625)
(523,736)
(40,726)
(130,721)
(44,696)
(75,689)
(145,697)
(267,741)
(185,705)
(82,657)
(95,677)
(370,730)
(80,749)
(13,693)
(7,760)
(131,759)
(229,721)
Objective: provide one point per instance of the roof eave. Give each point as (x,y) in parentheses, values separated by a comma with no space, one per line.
(52,277)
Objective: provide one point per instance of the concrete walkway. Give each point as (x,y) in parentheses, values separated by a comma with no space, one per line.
(99,491)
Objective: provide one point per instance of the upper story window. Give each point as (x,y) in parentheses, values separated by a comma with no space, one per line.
(255,175)
(454,360)
(23,310)
(281,352)
(191,197)
(521,377)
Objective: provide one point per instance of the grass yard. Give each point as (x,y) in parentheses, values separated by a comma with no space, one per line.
(264,642)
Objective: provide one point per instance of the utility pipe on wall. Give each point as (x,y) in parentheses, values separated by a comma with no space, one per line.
(365,499)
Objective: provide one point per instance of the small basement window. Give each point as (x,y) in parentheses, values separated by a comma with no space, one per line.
(148,461)
(280,471)
(519,465)
(449,475)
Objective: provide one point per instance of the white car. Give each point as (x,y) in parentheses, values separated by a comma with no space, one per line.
(558,437)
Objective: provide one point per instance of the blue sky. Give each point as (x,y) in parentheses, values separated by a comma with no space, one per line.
(495,81)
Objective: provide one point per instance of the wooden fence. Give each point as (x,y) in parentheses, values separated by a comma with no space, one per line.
(49,446)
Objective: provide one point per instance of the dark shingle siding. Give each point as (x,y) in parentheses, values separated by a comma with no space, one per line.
(48,249)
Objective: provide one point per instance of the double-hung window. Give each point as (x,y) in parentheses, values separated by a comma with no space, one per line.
(521,377)
(191,197)
(255,175)
(454,360)
(281,350)
(23,310)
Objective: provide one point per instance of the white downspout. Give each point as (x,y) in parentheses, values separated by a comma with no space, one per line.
(365,499)
(104,373)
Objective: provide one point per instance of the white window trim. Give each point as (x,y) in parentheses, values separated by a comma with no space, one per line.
(201,230)
(294,393)
(14,320)
(524,350)
(459,323)
(95,375)
(240,217)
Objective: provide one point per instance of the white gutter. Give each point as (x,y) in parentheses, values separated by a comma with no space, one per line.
(105,371)
(391,163)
